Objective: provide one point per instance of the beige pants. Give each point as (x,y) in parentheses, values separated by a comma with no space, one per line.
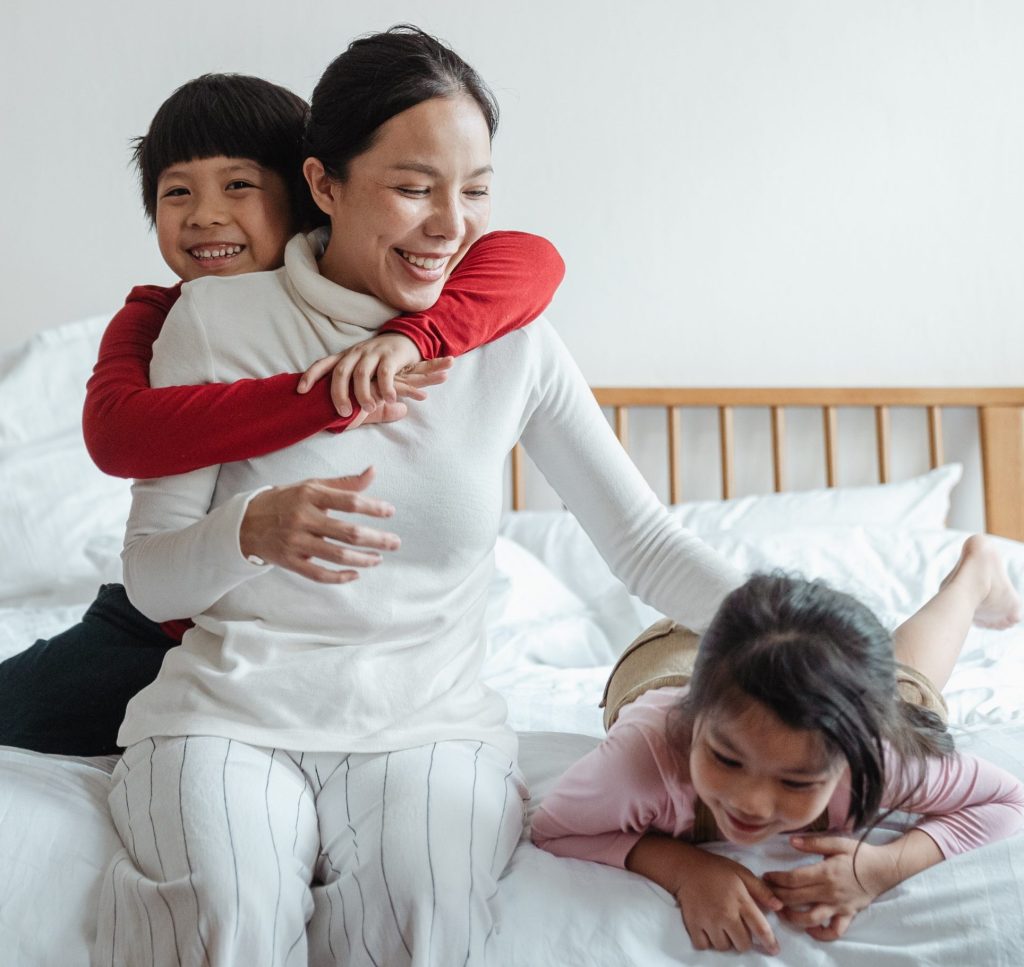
(664,655)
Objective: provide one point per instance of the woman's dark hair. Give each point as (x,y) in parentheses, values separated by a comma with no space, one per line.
(226,114)
(377,77)
(821,662)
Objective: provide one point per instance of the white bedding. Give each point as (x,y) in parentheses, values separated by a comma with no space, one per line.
(556,623)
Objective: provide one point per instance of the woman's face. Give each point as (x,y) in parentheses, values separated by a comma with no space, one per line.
(757,775)
(411,205)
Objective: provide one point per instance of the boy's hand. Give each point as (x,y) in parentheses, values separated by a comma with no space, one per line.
(823,898)
(290,526)
(722,902)
(379,370)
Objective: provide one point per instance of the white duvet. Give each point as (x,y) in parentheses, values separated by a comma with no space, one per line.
(556,623)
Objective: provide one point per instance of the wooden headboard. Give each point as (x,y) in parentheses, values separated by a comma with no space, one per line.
(1000,414)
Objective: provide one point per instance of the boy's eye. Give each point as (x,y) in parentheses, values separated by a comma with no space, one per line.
(175,193)
(237,185)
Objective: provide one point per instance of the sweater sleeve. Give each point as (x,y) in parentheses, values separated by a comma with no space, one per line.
(505,281)
(179,556)
(133,430)
(604,803)
(572,444)
(965,803)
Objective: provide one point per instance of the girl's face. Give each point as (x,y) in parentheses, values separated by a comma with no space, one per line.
(412,204)
(758,776)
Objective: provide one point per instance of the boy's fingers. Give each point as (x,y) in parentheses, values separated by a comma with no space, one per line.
(340,381)
(318,370)
(757,924)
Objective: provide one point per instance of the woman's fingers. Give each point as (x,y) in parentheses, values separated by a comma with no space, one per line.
(310,524)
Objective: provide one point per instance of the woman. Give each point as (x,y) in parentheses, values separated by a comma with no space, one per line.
(328,754)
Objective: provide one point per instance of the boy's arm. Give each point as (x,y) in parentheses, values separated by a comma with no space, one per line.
(132,430)
(505,281)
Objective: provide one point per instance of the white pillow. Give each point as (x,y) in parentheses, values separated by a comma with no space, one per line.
(42,381)
(54,508)
(533,617)
(920,503)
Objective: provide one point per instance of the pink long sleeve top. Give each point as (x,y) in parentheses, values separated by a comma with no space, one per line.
(630,785)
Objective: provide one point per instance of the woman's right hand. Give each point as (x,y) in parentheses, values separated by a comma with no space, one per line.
(290,526)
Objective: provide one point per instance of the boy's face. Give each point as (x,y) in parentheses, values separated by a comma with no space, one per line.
(221,216)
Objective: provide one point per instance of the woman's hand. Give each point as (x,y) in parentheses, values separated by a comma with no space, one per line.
(380,370)
(823,898)
(722,902)
(289,526)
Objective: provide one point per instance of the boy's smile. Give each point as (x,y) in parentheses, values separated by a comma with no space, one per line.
(221,216)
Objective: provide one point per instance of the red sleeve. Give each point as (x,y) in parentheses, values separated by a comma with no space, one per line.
(505,281)
(132,430)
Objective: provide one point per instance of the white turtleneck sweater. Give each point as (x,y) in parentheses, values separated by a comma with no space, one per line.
(391,660)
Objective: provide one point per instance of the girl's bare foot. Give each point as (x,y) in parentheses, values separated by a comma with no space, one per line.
(980,562)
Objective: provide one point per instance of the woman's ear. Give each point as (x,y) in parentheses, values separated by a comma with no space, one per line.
(321,185)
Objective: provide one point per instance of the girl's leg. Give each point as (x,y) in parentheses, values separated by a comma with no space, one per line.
(413,844)
(220,839)
(978,591)
(68,694)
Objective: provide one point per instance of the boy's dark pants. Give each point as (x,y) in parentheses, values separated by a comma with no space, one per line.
(68,695)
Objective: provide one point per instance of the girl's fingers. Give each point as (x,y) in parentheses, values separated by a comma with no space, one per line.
(759,929)
(823,845)
(814,916)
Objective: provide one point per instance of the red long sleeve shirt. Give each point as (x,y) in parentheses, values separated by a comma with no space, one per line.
(132,430)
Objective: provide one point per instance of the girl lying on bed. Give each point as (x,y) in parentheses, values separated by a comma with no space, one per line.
(802,716)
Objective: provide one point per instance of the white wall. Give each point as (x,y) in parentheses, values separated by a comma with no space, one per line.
(746,191)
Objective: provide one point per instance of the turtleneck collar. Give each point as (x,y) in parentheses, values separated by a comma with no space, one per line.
(339,304)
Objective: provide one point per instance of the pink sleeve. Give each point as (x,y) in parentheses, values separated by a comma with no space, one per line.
(965,803)
(605,802)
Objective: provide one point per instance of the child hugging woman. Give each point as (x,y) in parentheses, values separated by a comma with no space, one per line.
(803,716)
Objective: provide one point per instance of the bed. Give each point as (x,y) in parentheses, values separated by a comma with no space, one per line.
(556,622)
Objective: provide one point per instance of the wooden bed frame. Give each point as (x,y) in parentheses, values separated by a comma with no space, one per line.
(1000,430)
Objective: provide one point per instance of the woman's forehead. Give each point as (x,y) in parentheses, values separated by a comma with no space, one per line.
(432,135)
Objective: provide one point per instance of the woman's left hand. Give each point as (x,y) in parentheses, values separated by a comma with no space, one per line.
(823,898)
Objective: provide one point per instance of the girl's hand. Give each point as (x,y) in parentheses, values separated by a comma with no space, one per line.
(823,898)
(721,903)
(378,370)
(290,526)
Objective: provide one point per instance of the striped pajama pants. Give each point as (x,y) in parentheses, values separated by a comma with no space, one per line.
(246,856)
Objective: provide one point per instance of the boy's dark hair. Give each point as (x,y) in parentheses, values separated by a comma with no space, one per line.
(234,115)
(820,661)
(377,77)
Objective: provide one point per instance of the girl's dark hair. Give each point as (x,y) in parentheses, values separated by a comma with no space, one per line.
(226,114)
(377,77)
(821,662)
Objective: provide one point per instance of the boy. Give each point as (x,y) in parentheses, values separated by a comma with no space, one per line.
(219,169)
